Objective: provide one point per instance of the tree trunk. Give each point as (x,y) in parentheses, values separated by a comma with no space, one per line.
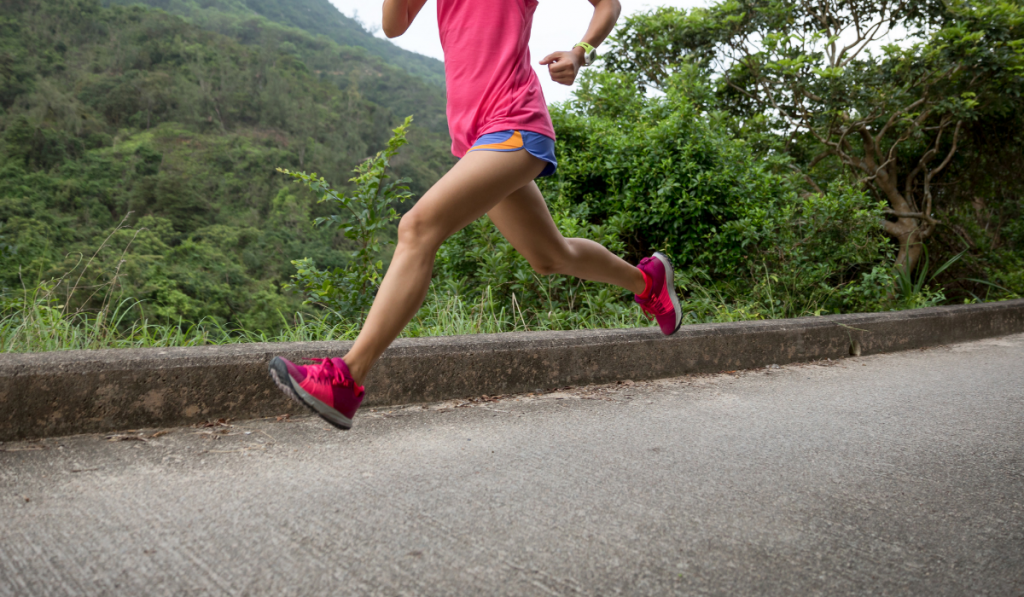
(908,235)
(906,231)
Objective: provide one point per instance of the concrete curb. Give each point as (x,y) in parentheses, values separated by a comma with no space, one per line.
(61,393)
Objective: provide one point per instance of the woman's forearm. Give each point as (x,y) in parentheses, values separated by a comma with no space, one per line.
(399,14)
(564,66)
(606,13)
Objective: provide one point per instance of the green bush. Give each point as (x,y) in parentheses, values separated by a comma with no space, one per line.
(478,261)
(808,254)
(366,221)
(734,222)
(108,112)
(475,262)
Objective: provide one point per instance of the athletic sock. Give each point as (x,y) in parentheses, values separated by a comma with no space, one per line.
(648,286)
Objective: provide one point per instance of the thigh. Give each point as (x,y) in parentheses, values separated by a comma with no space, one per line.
(525,221)
(471,188)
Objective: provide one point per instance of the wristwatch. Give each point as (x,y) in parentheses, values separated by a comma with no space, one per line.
(589,53)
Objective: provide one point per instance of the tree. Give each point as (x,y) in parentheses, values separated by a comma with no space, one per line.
(821,78)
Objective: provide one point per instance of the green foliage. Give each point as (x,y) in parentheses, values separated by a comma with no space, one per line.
(894,288)
(311,38)
(914,292)
(316,17)
(348,292)
(812,251)
(138,204)
(676,180)
(478,261)
(131,130)
(912,119)
(33,321)
(985,213)
(671,174)
(180,266)
(815,77)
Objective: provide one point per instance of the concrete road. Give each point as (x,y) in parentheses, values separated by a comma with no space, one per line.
(897,474)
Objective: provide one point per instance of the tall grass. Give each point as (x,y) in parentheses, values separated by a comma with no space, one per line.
(33,321)
(447,314)
(38,319)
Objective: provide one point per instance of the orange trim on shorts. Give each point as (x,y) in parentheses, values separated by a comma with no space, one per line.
(513,142)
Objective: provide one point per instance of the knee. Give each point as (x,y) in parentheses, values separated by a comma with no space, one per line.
(545,267)
(551,262)
(553,257)
(415,231)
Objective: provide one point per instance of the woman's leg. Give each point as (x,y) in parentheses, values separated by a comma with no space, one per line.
(474,186)
(523,218)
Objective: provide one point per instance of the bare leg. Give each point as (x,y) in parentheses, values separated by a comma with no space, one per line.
(523,218)
(476,184)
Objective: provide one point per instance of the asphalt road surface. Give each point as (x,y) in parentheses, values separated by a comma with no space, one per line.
(899,474)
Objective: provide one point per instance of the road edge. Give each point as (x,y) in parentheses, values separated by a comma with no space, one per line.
(64,393)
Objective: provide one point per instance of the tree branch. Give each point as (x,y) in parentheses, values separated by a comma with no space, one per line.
(892,119)
(808,179)
(911,214)
(952,150)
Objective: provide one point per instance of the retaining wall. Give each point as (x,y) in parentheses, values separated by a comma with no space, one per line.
(60,393)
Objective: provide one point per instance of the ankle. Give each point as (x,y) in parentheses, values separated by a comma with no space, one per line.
(356,369)
(647,283)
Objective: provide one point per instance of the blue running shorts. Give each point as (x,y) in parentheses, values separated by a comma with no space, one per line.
(539,146)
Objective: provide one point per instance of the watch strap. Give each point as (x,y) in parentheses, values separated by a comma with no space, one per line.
(589,52)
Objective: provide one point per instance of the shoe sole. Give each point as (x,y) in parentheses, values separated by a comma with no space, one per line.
(670,281)
(288,385)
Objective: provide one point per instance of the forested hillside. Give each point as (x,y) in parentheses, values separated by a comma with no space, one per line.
(318,17)
(132,116)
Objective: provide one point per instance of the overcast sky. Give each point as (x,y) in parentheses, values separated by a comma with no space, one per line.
(557,25)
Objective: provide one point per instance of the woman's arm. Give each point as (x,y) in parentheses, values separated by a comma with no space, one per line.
(399,14)
(563,66)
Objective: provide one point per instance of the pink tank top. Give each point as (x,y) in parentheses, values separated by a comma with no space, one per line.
(491,86)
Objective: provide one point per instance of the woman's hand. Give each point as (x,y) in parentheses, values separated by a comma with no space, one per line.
(564,66)
(398,15)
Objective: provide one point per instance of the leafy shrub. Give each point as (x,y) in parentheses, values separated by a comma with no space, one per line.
(734,222)
(804,254)
(349,291)
(475,262)
(478,261)
(669,170)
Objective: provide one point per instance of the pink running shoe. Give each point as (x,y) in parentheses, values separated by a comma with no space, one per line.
(327,388)
(659,298)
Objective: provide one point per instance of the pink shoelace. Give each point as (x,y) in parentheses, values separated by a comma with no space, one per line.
(331,374)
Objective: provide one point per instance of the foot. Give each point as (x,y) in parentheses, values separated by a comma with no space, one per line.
(659,297)
(326,388)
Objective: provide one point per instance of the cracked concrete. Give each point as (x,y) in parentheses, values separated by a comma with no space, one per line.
(897,474)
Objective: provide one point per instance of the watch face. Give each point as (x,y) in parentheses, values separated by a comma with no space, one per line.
(590,57)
